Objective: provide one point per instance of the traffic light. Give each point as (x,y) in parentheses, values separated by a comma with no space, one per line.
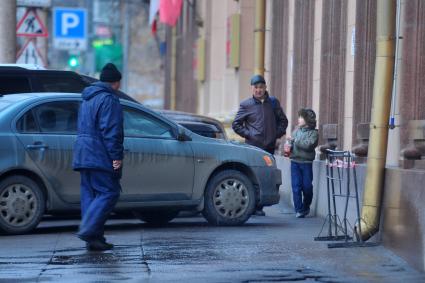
(73,61)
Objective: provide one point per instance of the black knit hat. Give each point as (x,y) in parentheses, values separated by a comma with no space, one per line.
(110,74)
(309,117)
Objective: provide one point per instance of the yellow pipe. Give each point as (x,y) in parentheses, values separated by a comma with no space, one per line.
(259,36)
(378,140)
(173,68)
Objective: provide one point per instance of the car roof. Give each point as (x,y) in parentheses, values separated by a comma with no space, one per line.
(17,97)
(121,94)
(200,126)
(185,116)
(22,66)
(43,94)
(12,99)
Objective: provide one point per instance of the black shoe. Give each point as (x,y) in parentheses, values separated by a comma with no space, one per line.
(259,212)
(306,212)
(98,245)
(299,215)
(91,238)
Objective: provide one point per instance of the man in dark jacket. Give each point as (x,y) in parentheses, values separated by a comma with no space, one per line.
(260,119)
(98,154)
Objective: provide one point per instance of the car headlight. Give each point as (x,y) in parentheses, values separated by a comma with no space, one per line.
(268,160)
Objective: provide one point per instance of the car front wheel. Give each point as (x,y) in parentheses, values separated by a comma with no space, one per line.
(229,199)
(21,205)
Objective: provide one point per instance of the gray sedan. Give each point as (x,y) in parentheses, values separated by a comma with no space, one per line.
(167,168)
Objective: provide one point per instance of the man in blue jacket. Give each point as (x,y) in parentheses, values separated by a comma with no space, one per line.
(98,154)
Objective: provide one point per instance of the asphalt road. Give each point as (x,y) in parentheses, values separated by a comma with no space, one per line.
(275,248)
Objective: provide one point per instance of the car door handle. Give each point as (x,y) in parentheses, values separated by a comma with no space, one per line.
(126,150)
(37,146)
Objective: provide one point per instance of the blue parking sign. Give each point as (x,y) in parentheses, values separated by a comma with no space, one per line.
(70,28)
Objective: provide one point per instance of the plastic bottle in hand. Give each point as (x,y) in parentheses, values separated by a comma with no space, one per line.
(287,147)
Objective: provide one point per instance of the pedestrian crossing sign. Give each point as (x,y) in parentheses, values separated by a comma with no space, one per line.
(31,25)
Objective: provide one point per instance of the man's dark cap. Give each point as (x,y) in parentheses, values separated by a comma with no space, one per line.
(256,79)
(110,74)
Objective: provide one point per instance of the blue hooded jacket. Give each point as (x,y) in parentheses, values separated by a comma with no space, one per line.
(100,129)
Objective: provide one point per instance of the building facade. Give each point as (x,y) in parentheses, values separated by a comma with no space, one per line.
(319,54)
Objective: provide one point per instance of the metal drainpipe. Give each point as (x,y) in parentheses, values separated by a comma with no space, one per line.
(259,36)
(383,83)
(173,68)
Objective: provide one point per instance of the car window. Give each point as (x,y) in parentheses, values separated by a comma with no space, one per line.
(15,84)
(52,117)
(60,84)
(27,124)
(139,124)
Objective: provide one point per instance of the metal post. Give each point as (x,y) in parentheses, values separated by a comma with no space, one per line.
(8,31)
(173,69)
(396,69)
(348,195)
(126,43)
(259,36)
(357,203)
(42,42)
(90,62)
(329,198)
(335,215)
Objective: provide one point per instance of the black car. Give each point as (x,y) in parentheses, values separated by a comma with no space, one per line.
(202,125)
(29,78)
(15,78)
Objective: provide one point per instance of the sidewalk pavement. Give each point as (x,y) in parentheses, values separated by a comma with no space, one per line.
(274,248)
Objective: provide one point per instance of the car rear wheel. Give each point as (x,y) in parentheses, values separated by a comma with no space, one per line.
(22,205)
(229,199)
(157,217)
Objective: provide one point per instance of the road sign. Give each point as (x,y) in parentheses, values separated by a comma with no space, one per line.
(31,25)
(70,28)
(34,3)
(29,54)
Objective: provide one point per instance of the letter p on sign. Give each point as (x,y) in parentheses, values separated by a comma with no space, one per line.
(69,21)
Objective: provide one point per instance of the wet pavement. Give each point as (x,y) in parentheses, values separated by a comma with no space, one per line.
(275,248)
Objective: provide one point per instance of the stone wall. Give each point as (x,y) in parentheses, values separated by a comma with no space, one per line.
(403,225)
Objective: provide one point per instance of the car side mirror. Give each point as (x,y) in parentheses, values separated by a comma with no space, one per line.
(182,136)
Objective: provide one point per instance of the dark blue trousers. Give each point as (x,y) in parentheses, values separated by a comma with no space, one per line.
(302,185)
(100,191)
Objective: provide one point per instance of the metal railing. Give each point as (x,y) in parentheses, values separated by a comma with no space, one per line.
(340,172)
